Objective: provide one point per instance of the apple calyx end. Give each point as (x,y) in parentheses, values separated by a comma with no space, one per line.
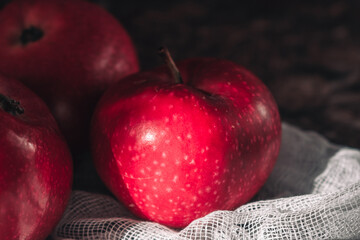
(31,34)
(10,106)
(168,60)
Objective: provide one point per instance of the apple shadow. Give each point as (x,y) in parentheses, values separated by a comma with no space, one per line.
(86,177)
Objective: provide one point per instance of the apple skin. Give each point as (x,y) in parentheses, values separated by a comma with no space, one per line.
(35,167)
(175,152)
(82,51)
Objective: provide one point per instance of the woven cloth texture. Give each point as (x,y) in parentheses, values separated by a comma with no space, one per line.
(312,193)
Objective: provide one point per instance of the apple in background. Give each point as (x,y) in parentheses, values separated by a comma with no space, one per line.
(68,52)
(174,149)
(35,165)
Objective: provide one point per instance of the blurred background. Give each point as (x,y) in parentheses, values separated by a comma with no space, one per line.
(306,52)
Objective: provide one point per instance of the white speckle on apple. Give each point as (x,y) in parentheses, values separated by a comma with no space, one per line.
(148,137)
(163,155)
(175,178)
(169,189)
(131,205)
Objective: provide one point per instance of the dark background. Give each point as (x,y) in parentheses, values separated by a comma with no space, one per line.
(306,52)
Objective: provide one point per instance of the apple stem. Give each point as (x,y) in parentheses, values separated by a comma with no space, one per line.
(10,106)
(165,55)
(31,34)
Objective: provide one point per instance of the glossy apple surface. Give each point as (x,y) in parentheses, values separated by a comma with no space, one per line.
(174,152)
(35,165)
(68,52)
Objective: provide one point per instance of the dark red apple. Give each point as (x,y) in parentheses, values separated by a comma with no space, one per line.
(68,52)
(173,151)
(35,165)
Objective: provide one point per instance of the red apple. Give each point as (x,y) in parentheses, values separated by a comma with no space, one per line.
(68,52)
(173,151)
(35,165)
